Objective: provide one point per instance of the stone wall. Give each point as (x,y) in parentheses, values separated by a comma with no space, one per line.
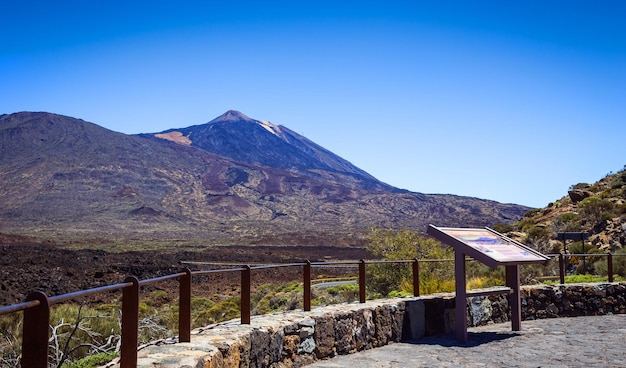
(550,301)
(296,338)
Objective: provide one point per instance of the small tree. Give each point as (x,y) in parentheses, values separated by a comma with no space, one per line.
(595,210)
(399,245)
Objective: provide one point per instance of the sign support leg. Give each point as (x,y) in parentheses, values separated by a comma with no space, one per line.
(460,299)
(512,279)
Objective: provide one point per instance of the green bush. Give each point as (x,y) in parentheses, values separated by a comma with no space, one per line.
(10,339)
(270,298)
(595,209)
(575,279)
(617,183)
(525,224)
(344,292)
(619,264)
(538,233)
(567,222)
(532,213)
(221,311)
(503,228)
(92,361)
(620,209)
(579,186)
(618,180)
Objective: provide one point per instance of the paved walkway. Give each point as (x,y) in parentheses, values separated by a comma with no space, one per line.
(558,342)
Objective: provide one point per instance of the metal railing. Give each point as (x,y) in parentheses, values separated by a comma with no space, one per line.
(562,262)
(36,308)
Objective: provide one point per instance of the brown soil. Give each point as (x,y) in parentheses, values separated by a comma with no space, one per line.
(26,267)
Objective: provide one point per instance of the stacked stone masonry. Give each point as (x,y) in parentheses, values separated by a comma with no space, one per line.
(297,338)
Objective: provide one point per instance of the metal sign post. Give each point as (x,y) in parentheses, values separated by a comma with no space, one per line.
(575,236)
(492,249)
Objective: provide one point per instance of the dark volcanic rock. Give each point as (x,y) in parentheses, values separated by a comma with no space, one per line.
(577,195)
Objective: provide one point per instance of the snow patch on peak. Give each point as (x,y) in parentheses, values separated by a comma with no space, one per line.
(274,129)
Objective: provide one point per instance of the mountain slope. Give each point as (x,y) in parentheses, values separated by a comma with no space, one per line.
(66,178)
(598,209)
(243,139)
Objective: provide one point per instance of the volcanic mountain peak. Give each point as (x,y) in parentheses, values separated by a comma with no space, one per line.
(243,139)
(232,115)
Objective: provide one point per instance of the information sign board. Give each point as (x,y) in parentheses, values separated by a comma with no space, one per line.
(493,249)
(494,245)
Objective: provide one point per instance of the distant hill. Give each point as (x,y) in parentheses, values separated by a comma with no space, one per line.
(232,180)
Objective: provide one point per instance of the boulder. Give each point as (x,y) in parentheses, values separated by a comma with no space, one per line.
(577,195)
(324,336)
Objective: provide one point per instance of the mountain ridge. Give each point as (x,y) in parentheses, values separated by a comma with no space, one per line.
(67,178)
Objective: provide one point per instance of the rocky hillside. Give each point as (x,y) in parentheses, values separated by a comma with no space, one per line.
(598,208)
(64,178)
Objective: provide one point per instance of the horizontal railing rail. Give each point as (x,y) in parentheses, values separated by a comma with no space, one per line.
(88,292)
(36,308)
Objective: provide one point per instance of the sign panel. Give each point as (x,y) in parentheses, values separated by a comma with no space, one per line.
(487,246)
(498,248)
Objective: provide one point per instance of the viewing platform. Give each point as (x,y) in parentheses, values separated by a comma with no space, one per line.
(592,341)
(564,325)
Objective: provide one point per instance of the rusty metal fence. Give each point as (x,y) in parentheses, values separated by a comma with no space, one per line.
(563,264)
(36,308)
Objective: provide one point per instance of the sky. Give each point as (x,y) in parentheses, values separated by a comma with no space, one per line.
(513,101)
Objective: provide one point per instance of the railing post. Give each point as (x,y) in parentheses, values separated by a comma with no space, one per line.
(35,332)
(362,281)
(245,295)
(184,306)
(130,324)
(609,266)
(416,277)
(561,269)
(306,275)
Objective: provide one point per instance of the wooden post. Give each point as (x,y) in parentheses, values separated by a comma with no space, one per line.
(582,239)
(184,306)
(416,277)
(306,282)
(35,332)
(362,281)
(561,269)
(130,324)
(609,266)
(245,295)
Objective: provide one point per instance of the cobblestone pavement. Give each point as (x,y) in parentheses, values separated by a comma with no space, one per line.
(558,342)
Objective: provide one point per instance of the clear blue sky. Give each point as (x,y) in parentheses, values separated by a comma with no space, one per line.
(506,100)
